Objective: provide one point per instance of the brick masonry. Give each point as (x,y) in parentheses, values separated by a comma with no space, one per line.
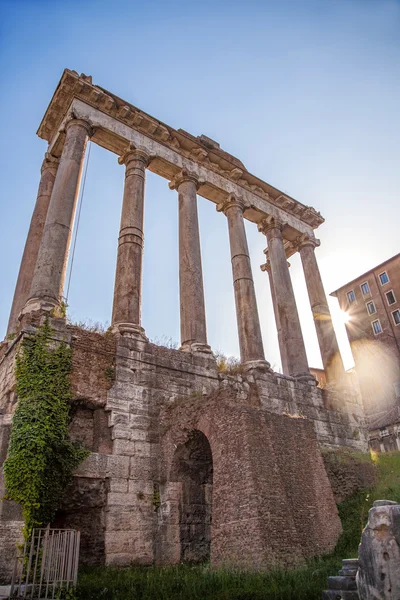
(134,499)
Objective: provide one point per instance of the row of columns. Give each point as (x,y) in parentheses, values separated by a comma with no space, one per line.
(43,267)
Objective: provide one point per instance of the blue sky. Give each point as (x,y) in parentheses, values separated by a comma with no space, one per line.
(306,93)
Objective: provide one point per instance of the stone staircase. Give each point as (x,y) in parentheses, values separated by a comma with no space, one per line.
(343,586)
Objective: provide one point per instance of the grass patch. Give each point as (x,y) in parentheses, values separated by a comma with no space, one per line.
(184,582)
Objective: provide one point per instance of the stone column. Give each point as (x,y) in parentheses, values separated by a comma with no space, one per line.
(292,337)
(126,316)
(29,257)
(51,264)
(250,340)
(193,315)
(282,347)
(330,354)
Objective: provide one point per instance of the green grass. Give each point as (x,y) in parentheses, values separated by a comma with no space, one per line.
(183,582)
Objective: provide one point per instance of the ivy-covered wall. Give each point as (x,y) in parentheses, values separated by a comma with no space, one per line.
(41,457)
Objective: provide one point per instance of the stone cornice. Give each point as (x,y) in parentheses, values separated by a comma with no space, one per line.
(73,86)
(181,177)
(230,201)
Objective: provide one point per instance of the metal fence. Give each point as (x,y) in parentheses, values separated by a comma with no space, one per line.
(48,565)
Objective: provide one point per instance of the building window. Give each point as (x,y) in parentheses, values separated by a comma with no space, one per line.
(396,317)
(390,297)
(384,278)
(365,288)
(376,326)
(371,308)
(351,296)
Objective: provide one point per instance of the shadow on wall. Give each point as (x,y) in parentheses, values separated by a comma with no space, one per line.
(193,468)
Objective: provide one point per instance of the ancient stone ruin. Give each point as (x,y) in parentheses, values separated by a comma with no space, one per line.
(187,463)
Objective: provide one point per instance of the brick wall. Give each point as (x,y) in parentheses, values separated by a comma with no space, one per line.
(271,499)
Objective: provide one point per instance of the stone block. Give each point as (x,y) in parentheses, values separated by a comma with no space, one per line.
(124,447)
(118,485)
(122,542)
(117,466)
(141,468)
(142,449)
(141,487)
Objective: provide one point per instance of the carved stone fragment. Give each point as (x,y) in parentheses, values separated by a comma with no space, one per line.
(378,576)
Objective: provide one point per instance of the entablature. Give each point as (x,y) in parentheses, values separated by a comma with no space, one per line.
(117,123)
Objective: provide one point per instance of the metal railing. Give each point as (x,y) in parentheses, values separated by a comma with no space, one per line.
(48,565)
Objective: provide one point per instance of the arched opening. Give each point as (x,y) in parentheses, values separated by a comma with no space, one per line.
(193,468)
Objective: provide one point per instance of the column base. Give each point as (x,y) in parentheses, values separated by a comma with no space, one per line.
(39,304)
(306,378)
(196,348)
(130,330)
(261,364)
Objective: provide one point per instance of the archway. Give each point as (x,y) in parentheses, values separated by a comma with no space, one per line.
(193,467)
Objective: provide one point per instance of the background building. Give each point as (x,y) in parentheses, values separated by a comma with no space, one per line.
(372,304)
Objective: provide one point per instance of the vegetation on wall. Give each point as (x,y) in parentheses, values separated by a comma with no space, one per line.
(41,457)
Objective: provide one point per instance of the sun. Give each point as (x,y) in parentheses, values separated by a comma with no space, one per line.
(345,316)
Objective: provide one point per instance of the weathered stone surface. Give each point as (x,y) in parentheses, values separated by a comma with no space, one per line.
(83,509)
(250,340)
(33,240)
(347,473)
(266,484)
(193,315)
(51,264)
(291,335)
(128,276)
(378,577)
(330,354)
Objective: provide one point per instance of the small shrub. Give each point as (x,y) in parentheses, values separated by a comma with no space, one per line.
(165,342)
(229,365)
(90,326)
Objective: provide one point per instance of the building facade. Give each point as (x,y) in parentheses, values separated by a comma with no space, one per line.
(372,304)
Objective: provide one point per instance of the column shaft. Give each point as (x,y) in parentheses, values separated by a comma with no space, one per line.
(250,340)
(292,337)
(330,354)
(193,315)
(282,346)
(33,240)
(128,277)
(51,264)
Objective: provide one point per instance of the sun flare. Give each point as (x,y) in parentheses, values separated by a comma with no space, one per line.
(345,316)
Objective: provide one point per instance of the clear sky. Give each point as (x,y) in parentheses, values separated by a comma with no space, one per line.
(305,92)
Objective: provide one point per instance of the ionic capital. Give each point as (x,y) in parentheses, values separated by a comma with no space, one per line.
(306,240)
(230,201)
(74,122)
(268,267)
(270,223)
(134,153)
(181,177)
(49,162)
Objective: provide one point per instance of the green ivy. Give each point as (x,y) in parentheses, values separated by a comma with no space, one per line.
(41,457)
